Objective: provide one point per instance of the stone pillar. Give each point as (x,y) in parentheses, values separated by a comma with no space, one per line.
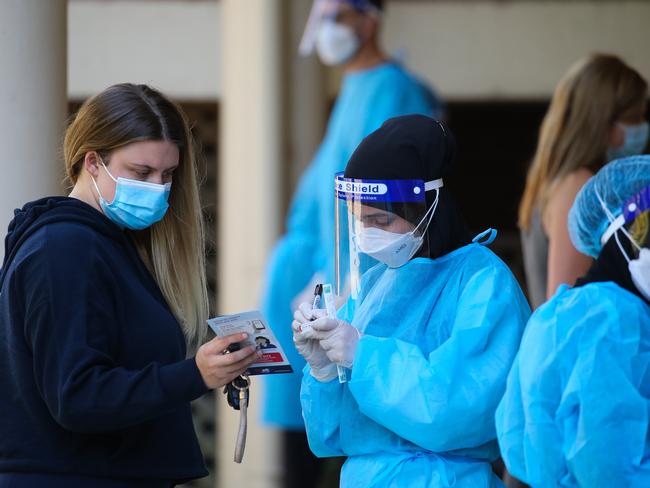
(273,117)
(34,101)
(252,155)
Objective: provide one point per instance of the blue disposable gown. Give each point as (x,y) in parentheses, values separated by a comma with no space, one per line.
(439,337)
(366,100)
(575,412)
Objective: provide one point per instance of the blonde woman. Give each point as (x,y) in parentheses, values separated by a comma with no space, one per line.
(597,114)
(99,293)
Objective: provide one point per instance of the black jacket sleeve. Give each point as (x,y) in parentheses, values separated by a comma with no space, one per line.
(69,325)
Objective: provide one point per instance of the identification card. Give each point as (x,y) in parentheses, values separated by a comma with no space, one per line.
(273,360)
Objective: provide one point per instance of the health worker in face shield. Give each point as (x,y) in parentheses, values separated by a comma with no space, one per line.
(374,88)
(429,332)
(575,412)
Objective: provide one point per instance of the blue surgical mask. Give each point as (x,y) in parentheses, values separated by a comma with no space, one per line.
(635,140)
(137,204)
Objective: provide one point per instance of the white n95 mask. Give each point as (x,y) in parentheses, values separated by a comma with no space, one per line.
(640,272)
(391,248)
(336,43)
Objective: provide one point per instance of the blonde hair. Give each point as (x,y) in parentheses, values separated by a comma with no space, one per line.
(590,97)
(172,249)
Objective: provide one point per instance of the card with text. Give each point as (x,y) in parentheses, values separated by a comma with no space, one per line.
(273,360)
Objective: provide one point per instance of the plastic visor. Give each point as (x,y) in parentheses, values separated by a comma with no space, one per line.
(322,9)
(392,205)
(634,207)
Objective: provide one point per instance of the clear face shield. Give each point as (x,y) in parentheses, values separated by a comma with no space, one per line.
(333,12)
(379,222)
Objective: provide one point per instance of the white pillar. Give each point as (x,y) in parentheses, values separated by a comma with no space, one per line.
(33,101)
(251,158)
(307,99)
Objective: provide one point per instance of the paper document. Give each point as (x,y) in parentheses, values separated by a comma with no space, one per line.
(273,360)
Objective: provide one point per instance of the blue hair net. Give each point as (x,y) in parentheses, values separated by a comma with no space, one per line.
(614,184)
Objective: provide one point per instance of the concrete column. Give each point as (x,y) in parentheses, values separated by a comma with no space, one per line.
(251,158)
(33,100)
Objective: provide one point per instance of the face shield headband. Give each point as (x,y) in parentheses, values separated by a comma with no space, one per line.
(393,248)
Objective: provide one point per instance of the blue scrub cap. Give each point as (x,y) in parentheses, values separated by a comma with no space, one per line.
(606,193)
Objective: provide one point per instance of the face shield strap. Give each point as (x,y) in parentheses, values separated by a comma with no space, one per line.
(430,186)
(433,185)
(614,225)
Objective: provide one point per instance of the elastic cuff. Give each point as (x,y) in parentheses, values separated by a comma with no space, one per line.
(183,380)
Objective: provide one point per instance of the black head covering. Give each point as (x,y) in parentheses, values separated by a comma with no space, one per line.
(415,147)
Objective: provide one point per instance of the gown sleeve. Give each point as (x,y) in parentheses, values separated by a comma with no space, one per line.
(446,400)
(322,405)
(575,411)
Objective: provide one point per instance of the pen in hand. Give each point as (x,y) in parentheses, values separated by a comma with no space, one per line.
(314,304)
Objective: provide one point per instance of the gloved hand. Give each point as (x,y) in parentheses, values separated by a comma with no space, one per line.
(309,348)
(337,338)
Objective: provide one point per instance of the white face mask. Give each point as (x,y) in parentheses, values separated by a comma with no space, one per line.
(639,268)
(391,248)
(640,272)
(336,43)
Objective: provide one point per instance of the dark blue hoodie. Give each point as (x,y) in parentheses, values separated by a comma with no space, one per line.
(93,376)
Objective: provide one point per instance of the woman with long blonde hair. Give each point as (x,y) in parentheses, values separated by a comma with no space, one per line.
(597,114)
(100,292)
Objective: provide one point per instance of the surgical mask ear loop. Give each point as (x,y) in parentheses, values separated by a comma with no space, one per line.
(107,172)
(431,212)
(620,246)
(611,219)
(631,239)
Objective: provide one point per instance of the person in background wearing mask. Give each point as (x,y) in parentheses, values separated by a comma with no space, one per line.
(429,332)
(597,114)
(345,33)
(575,411)
(99,292)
